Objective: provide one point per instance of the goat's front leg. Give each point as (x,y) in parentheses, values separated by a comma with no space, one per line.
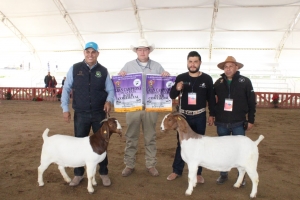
(192,178)
(90,169)
(64,174)
(94,182)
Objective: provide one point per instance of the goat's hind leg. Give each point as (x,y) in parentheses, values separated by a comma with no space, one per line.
(192,179)
(253,175)
(44,165)
(64,174)
(240,178)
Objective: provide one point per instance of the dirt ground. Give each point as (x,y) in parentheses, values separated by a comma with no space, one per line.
(23,122)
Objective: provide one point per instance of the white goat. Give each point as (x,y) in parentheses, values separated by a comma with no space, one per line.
(69,151)
(214,153)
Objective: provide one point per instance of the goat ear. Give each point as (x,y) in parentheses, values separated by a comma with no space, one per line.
(182,124)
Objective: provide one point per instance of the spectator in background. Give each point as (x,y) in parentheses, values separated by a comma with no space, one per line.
(235,100)
(63,82)
(52,84)
(47,79)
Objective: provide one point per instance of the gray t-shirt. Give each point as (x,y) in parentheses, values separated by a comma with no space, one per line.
(135,66)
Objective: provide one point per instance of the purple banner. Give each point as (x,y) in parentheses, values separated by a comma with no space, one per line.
(157,92)
(128,92)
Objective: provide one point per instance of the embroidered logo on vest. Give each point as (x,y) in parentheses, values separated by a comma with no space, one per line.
(98,74)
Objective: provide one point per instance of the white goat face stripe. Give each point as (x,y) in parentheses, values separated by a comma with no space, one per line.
(162,127)
(118,125)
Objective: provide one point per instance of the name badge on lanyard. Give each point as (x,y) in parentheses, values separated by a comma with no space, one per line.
(228,104)
(192,98)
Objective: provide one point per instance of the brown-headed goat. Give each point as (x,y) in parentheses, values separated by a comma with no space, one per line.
(214,153)
(69,151)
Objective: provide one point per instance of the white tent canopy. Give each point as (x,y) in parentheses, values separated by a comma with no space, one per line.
(264,35)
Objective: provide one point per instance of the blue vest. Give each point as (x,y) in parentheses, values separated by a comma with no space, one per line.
(89,87)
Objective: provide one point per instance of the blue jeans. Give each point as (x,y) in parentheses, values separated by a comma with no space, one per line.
(83,121)
(223,130)
(198,125)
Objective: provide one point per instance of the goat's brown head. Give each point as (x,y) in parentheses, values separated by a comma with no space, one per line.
(99,141)
(170,121)
(112,125)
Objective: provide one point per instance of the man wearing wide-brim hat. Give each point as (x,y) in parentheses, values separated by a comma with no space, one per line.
(148,119)
(236,105)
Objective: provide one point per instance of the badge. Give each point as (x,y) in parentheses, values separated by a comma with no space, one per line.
(192,98)
(228,104)
(98,74)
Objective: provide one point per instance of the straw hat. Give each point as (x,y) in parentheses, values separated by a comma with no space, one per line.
(232,60)
(142,43)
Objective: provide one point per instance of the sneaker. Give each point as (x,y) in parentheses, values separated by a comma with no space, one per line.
(222,179)
(153,171)
(76,180)
(105,180)
(172,176)
(127,171)
(200,179)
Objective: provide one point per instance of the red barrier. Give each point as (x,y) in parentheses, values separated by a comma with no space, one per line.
(34,94)
(264,99)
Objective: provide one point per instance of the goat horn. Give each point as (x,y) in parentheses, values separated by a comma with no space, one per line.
(178,113)
(103,121)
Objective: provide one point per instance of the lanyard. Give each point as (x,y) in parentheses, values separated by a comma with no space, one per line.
(144,67)
(193,83)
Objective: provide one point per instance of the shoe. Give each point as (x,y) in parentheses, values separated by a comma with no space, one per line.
(200,179)
(76,180)
(222,179)
(127,171)
(153,171)
(172,176)
(105,180)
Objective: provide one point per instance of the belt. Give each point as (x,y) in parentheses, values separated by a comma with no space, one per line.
(192,112)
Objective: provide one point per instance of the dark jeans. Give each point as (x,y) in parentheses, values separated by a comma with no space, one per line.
(198,125)
(83,121)
(225,130)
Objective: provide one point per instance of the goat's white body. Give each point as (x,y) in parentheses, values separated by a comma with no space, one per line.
(68,151)
(221,154)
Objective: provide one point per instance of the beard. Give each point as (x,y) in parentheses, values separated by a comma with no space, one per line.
(194,71)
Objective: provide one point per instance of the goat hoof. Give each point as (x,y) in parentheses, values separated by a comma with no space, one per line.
(252,196)
(41,184)
(94,184)
(188,193)
(236,186)
(91,191)
(68,180)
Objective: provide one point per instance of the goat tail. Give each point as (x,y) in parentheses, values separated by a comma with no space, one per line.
(45,134)
(260,138)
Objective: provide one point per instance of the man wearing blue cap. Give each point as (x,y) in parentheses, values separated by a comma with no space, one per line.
(93,94)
